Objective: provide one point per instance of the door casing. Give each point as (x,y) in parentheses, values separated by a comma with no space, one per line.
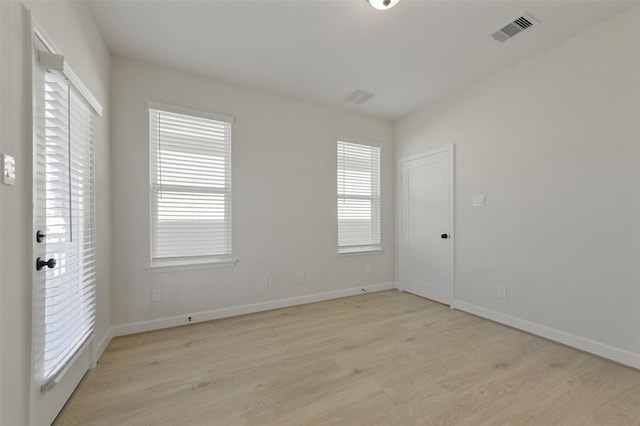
(45,406)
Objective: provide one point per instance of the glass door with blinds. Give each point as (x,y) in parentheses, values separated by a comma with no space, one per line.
(64,238)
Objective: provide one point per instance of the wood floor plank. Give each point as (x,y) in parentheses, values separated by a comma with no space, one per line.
(386,358)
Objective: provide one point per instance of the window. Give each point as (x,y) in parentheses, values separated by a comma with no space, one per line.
(358,197)
(190,166)
(65,219)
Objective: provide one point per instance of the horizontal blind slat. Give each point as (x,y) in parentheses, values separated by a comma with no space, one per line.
(358,195)
(65,207)
(190,174)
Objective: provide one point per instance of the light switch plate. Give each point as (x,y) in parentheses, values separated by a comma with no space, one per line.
(8,169)
(478,201)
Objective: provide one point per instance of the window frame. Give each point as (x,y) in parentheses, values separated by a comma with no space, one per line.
(161,264)
(362,248)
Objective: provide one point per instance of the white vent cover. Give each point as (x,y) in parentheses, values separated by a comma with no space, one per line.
(358,96)
(518,25)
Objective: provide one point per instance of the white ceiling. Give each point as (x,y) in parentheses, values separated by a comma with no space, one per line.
(319,50)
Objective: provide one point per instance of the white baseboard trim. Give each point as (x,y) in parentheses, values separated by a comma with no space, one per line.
(591,346)
(102,344)
(156,324)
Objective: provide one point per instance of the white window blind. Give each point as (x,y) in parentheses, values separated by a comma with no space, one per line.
(358,197)
(190,166)
(65,205)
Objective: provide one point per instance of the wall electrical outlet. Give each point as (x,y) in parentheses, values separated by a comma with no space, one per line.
(155,295)
(300,277)
(502,292)
(264,282)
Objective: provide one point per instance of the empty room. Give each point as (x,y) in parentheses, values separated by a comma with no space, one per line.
(312,212)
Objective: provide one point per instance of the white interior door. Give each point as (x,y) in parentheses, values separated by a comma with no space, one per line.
(64,242)
(426,246)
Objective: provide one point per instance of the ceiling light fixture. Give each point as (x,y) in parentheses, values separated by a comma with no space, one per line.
(383,4)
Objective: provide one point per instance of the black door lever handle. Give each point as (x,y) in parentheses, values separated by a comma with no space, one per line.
(444,236)
(51,263)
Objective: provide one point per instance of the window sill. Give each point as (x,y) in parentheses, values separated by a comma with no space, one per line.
(354,251)
(183,265)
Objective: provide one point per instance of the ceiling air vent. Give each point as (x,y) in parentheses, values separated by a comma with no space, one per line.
(516,27)
(358,96)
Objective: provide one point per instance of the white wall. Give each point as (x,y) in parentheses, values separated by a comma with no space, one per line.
(16,213)
(1,196)
(71,27)
(284,206)
(553,144)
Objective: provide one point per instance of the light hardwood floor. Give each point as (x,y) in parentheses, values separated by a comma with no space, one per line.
(385,358)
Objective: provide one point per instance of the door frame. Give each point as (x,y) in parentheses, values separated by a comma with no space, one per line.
(399,213)
(86,356)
